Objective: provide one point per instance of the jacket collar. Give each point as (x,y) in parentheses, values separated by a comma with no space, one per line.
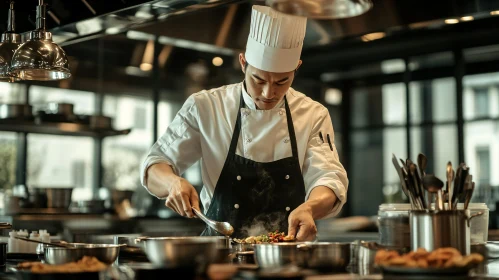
(250,104)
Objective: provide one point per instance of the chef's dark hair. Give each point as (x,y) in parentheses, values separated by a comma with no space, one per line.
(246,68)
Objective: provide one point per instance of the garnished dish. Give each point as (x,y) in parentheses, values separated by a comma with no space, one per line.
(86,264)
(439,258)
(271,237)
(442,262)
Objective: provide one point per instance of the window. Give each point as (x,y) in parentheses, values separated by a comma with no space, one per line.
(481,96)
(378,105)
(481,102)
(9,93)
(481,130)
(61,161)
(140,118)
(122,155)
(7,160)
(371,150)
(367,176)
(433,100)
(58,161)
(483,166)
(84,102)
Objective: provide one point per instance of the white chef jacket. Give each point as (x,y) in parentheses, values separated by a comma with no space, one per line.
(202,130)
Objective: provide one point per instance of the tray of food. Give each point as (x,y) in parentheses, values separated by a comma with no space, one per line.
(87,268)
(443,262)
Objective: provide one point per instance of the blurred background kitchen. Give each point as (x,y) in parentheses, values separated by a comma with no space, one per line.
(405,77)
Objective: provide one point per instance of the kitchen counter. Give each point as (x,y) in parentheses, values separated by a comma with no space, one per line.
(489,270)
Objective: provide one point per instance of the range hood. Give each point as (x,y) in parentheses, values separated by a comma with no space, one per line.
(79,20)
(207,28)
(225,23)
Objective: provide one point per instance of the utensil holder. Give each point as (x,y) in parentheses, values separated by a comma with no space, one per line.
(438,229)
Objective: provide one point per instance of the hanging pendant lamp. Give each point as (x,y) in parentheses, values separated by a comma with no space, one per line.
(9,42)
(40,58)
(322,9)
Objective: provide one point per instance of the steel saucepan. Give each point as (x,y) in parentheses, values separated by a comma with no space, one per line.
(100,122)
(16,111)
(59,197)
(60,108)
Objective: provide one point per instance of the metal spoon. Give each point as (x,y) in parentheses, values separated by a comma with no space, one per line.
(422,161)
(45,243)
(416,182)
(221,227)
(434,186)
(450,180)
(469,194)
(402,181)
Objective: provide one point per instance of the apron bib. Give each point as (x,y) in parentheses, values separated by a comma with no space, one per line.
(254,196)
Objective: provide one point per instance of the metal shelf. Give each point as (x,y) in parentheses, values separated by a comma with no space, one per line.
(62,128)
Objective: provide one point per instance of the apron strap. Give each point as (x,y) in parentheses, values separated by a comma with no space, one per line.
(237,128)
(291,129)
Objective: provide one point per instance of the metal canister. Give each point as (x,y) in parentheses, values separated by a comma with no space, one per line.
(432,230)
(393,225)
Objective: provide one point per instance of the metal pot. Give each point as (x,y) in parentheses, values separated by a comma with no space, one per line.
(100,122)
(326,255)
(16,111)
(190,251)
(433,230)
(58,197)
(106,253)
(37,197)
(60,108)
(273,255)
(247,257)
(242,247)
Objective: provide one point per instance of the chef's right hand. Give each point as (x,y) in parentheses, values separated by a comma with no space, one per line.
(182,196)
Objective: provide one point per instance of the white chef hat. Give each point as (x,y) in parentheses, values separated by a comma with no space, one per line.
(275,40)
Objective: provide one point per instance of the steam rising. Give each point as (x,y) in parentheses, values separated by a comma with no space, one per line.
(264,223)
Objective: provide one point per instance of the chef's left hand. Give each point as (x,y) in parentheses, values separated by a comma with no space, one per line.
(302,224)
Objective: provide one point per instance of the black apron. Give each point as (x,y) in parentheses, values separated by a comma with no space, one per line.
(257,197)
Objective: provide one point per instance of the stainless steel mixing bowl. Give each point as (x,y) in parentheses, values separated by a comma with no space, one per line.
(273,255)
(326,255)
(106,253)
(186,251)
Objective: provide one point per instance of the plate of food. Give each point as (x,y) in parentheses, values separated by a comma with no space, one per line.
(440,262)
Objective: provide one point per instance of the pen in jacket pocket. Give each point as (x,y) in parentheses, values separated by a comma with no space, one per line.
(322,138)
(329,141)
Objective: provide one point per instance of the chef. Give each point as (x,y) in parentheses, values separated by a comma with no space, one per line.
(266,151)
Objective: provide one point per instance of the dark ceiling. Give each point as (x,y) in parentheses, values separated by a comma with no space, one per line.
(194,31)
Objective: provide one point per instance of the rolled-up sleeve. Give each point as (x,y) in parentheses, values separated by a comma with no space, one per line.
(179,146)
(322,166)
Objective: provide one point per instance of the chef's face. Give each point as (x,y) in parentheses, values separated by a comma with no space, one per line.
(266,88)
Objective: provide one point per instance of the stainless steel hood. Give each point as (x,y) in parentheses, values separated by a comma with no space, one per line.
(227,26)
(197,27)
(224,23)
(73,21)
